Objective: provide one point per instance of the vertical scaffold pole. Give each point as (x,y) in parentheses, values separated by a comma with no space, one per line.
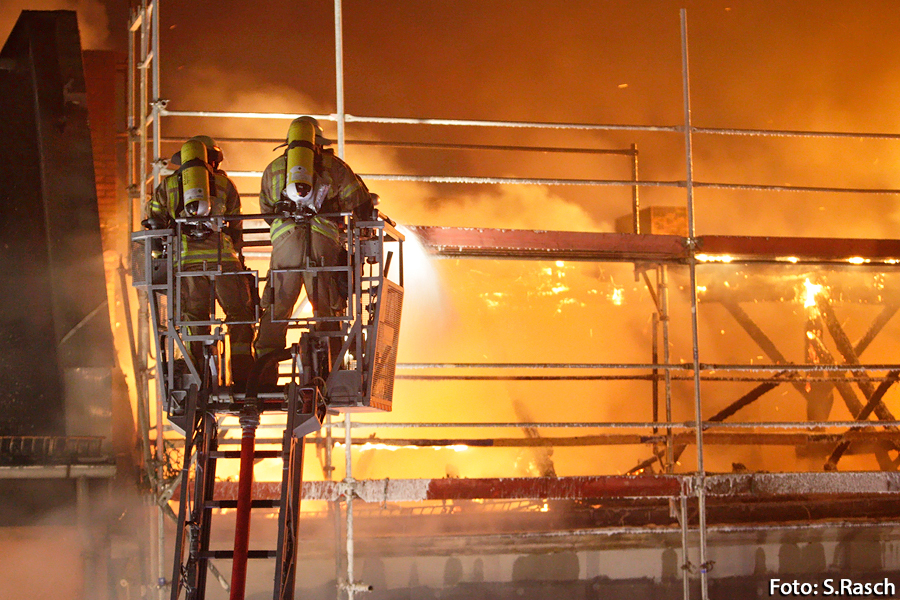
(663,291)
(341,118)
(151,68)
(685,557)
(692,265)
(635,191)
(348,479)
(339,73)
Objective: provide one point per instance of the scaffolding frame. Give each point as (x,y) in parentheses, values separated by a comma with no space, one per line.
(146,165)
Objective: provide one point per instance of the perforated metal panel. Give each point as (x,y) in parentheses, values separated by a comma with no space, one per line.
(146,272)
(139,263)
(386,345)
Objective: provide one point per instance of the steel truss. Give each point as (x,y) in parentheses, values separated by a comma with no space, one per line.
(653,256)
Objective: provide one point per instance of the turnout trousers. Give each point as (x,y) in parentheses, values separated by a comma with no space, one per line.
(290,251)
(233,293)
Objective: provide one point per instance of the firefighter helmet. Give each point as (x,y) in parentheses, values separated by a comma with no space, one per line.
(321,140)
(213,152)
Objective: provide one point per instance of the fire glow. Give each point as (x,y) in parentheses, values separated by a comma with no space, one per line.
(720,258)
(394,448)
(492,299)
(617,296)
(810,290)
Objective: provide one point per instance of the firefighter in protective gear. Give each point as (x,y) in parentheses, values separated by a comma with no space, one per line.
(200,188)
(299,232)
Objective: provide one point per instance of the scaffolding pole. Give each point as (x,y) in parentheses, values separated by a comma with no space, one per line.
(692,267)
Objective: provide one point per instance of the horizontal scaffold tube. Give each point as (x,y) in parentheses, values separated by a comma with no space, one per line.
(744,485)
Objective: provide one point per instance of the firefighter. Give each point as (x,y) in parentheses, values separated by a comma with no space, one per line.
(306,180)
(200,188)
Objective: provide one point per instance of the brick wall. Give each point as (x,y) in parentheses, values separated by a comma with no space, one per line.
(104,79)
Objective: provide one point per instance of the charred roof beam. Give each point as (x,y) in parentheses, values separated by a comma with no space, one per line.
(844,389)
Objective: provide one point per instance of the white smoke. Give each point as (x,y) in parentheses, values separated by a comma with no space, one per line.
(500,206)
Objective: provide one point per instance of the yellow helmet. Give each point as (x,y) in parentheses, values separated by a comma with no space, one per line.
(321,140)
(213,152)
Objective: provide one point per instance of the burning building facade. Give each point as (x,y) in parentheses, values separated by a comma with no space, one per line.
(667,409)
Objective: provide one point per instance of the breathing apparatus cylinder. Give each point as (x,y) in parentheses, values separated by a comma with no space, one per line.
(195,178)
(195,187)
(301,155)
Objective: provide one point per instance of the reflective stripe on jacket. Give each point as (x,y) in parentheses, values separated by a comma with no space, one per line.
(345,192)
(167,204)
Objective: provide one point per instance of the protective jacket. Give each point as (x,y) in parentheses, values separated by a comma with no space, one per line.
(340,189)
(167,204)
(293,243)
(217,250)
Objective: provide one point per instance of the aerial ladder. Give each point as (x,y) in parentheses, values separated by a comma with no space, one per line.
(314,381)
